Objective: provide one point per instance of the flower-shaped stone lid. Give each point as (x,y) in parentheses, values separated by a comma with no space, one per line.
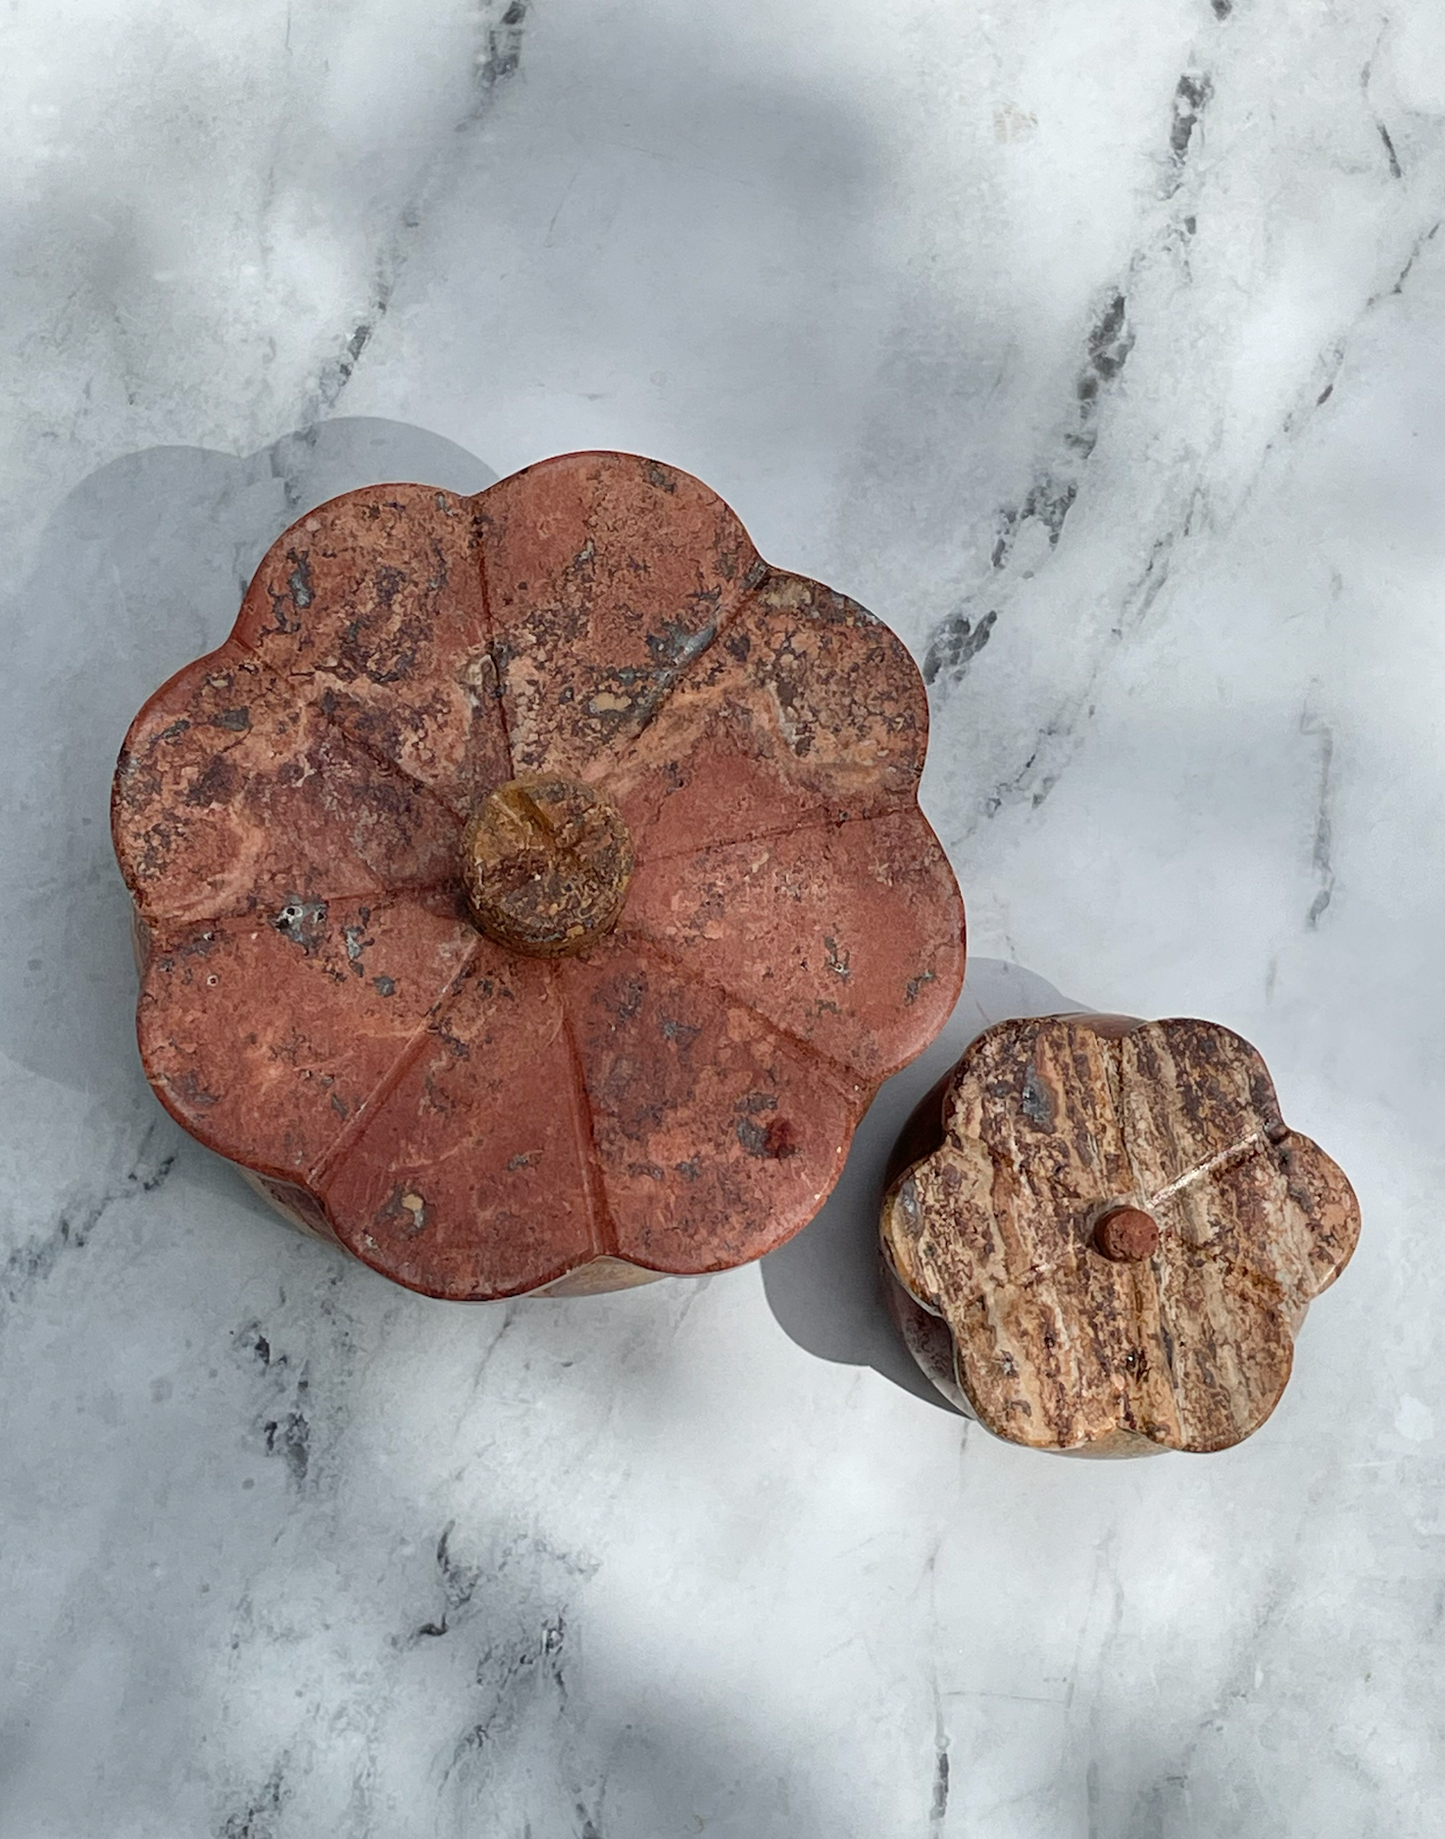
(1103,1238)
(532,890)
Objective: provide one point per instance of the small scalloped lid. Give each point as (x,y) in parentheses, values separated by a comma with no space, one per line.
(1106,1237)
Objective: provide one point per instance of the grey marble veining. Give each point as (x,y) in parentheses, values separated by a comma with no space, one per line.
(1099,350)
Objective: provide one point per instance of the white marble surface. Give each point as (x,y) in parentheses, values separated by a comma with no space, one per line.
(1098,347)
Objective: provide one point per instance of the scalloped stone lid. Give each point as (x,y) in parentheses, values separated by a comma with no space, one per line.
(1103,1237)
(532,891)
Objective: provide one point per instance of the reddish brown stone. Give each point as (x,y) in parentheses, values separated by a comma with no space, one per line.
(269,1035)
(339,989)
(806,712)
(606,577)
(471,1175)
(238,797)
(1126,1235)
(1017,1169)
(716,1134)
(373,609)
(831,931)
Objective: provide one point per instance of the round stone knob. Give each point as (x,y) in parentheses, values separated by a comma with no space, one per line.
(546,863)
(1126,1235)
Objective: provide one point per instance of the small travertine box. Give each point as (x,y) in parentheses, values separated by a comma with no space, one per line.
(1101,1238)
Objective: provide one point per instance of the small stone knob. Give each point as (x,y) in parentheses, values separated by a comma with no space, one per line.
(1126,1235)
(546,863)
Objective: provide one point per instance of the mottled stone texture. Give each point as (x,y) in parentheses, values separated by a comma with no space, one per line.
(1062,1336)
(317,1003)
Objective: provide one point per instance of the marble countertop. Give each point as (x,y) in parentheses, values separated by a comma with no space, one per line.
(1097,347)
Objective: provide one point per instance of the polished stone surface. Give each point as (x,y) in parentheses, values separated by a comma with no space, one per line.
(1097,349)
(332,999)
(1115,1234)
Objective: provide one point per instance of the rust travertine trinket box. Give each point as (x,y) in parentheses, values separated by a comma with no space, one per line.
(1101,1238)
(531,891)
